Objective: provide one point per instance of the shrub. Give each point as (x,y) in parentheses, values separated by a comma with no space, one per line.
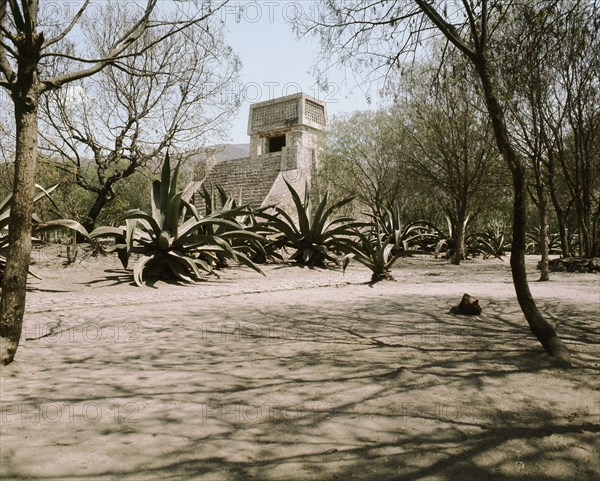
(375,252)
(174,241)
(317,237)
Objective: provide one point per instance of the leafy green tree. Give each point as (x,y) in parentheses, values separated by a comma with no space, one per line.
(551,67)
(74,202)
(573,116)
(364,157)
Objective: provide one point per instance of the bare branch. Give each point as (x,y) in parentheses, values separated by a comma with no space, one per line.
(5,66)
(448,30)
(16,14)
(30,11)
(68,29)
(119,46)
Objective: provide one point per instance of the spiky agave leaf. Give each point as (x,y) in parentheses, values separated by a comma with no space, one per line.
(315,237)
(175,241)
(153,226)
(5,206)
(139,268)
(376,253)
(173,214)
(302,209)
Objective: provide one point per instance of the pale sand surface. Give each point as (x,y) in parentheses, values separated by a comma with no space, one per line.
(300,375)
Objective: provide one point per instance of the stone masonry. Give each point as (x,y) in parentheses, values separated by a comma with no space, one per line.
(285,138)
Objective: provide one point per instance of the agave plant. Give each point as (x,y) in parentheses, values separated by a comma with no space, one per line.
(259,249)
(260,252)
(317,237)
(226,201)
(171,241)
(492,242)
(533,242)
(375,252)
(415,237)
(5,206)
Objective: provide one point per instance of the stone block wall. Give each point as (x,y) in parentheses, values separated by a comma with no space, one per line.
(248,179)
(293,127)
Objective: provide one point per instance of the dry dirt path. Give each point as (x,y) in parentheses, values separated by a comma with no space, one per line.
(302,375)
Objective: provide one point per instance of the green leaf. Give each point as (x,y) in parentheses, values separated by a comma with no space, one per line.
(174,178)
(43,193)
(192,208)
(107,231)
(172,220)
(187,261)
(139,267)
(165,240)
(156,208)
(142,216)
(301,210)
(179,270)
(68,223)
(165,182)
(319,220)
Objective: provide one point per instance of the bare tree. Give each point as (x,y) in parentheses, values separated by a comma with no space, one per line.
(31,49)
(552,62)
(375,35)
(7,129)
(524,69)
(574,116)
(452,152)
(104,128)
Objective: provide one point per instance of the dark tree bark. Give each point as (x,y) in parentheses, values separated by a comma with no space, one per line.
(25,95)
(458,236)
(101,200)
(544,241)
(561,213)
(12,301)
(465,25)
(541,328)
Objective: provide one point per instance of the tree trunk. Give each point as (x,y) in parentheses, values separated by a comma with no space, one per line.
(95,209)
(561,216)
(459,240)
(541,328)
(543,240)
(14,288)
(596,233)
(584,232)
(565,247)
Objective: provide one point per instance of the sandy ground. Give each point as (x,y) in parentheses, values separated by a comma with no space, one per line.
(300,375)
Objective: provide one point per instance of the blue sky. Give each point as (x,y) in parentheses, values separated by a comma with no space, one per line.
(276,63)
